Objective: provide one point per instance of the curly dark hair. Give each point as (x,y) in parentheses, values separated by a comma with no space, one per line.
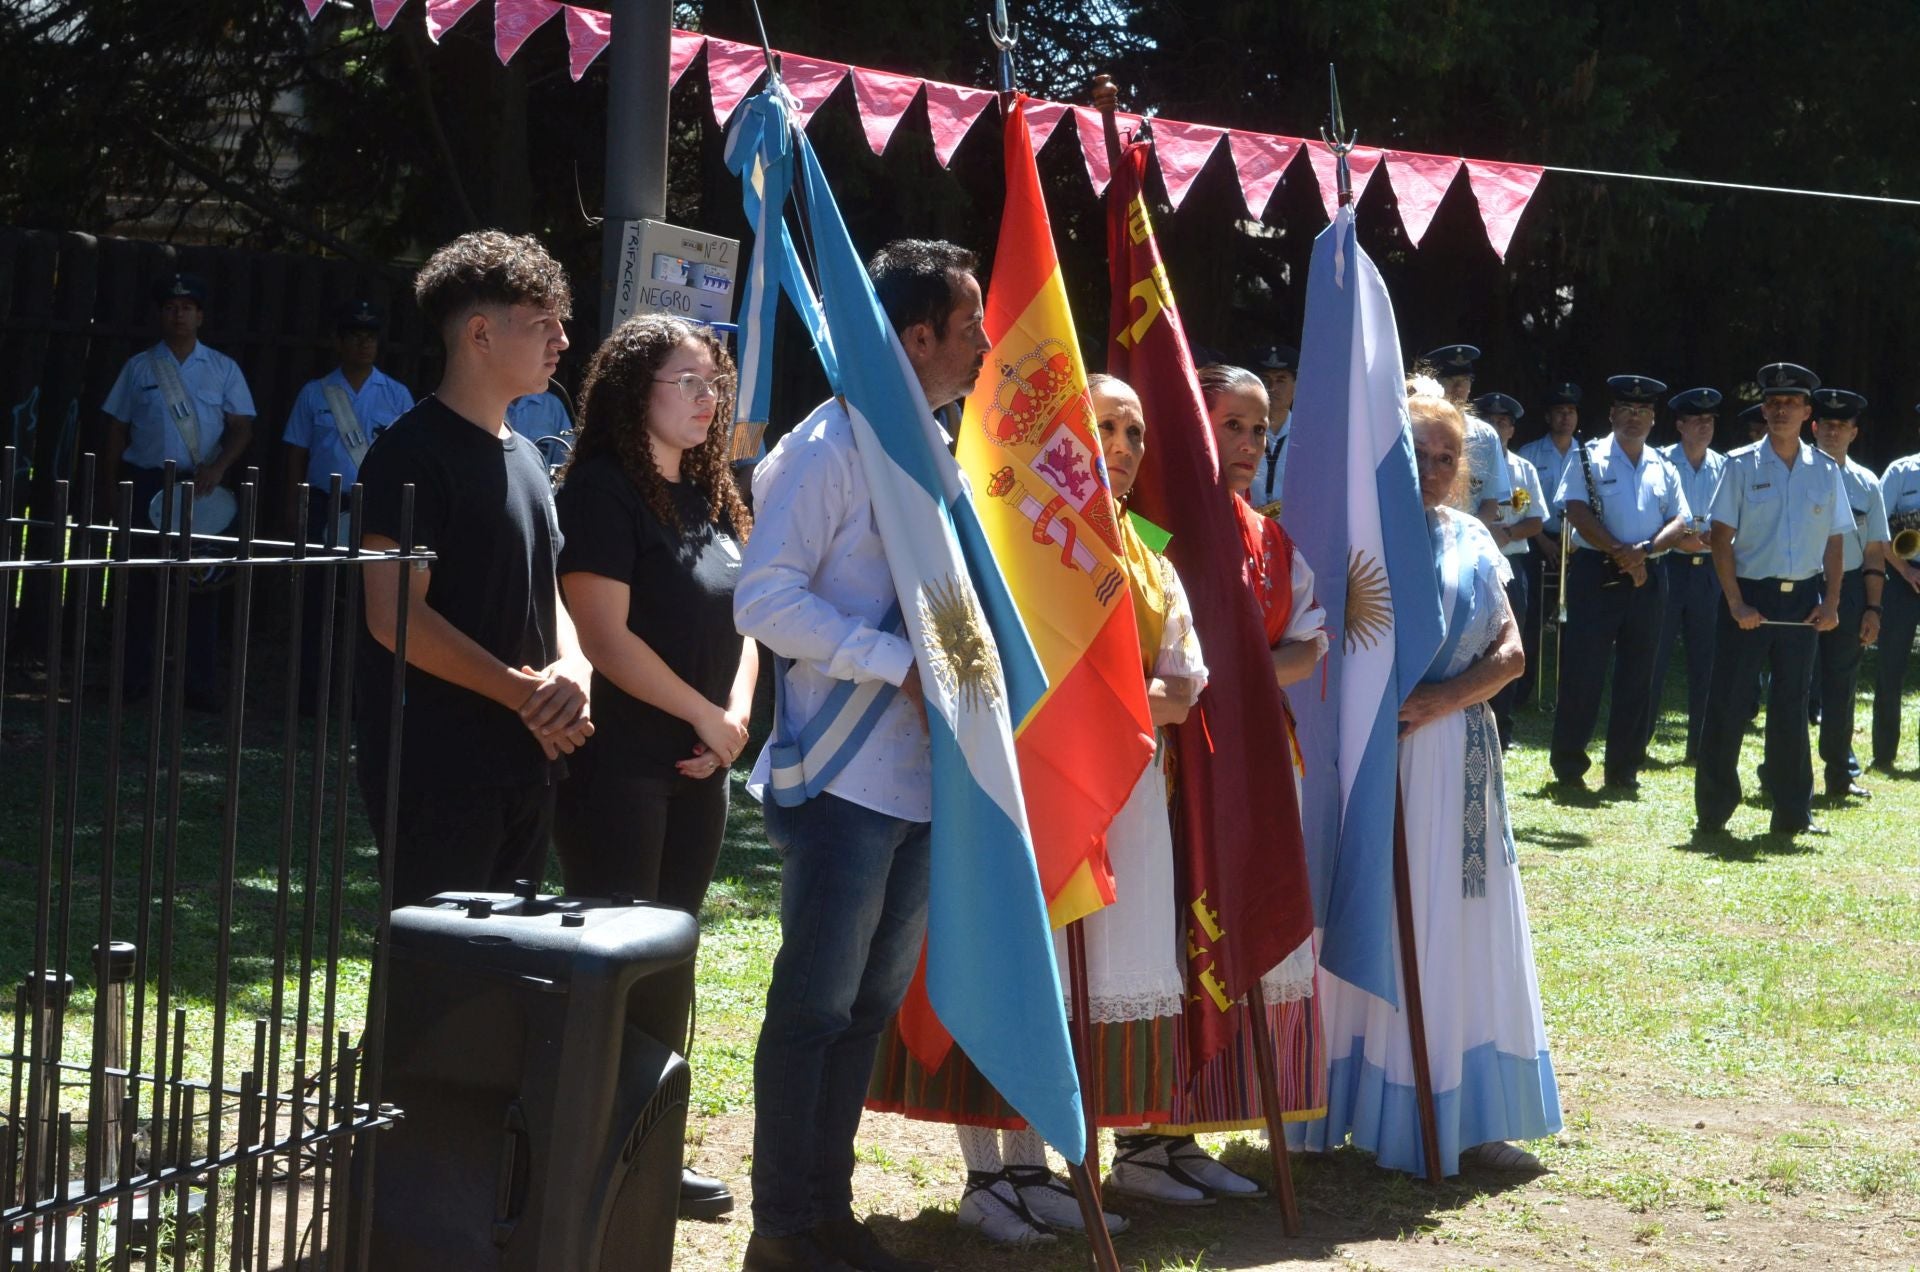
(489,267)
(613,418)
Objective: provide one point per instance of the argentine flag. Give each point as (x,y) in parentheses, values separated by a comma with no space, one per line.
(1352,501)
(991,975)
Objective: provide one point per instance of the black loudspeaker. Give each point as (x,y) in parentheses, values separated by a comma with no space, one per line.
(531,1051)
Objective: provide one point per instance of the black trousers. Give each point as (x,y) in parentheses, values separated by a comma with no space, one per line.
(1532,567)
(655,837)
(1623,621)
(1517,596)
(1738,659)
(1838,677)
(460,839)
(1693,602)
(143,592)
(1899,618)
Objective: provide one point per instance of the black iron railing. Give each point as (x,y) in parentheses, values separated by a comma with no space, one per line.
(199,925)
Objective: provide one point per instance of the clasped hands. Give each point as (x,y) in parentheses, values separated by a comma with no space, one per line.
(556,710)
(1632,560)
(723,735)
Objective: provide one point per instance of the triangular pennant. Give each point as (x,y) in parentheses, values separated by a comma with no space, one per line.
(1093,142)
(1260,159)
(515,20)
(686,47)
(810,82)
(1042,119)
(732,71)
(1503,191)
(1183,149)
(951,110)
(588,31)
(442,14)
(1360,165)
(883,100)
(1419,183)
(385,11)
(314,7)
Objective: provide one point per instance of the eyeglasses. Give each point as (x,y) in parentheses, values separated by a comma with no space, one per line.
(694,387)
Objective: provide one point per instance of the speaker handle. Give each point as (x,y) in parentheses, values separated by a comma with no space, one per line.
(510,1194)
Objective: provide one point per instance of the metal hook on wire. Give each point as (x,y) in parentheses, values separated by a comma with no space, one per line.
(1339,139)
(1005,35)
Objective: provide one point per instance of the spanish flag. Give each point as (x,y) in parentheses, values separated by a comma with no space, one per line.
(1029,445)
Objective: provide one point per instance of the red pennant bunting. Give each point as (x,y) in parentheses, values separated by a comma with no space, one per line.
(385,11)
(1093,142)
(1503,191)
(686,47)
(883,100)
(951,110)
(1360,166)
(1042,119)
(732,71)
(1419,183)
(1260,159)
(314,7)
(588,31)
(442,14)
(1183,149)
(515,20)
(810,81)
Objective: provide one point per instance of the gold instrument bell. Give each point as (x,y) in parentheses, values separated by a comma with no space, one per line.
(1906,535)
(1520,500)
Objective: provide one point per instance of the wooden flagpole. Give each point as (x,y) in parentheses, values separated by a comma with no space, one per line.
(1265,1062)
(1410,987)
(1086,1175)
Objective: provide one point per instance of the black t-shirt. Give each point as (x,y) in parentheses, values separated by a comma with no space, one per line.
(484,506)
(681,583)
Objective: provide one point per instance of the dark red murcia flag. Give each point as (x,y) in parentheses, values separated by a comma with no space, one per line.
(1240,870)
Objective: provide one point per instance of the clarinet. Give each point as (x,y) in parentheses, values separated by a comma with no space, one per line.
(1611,575)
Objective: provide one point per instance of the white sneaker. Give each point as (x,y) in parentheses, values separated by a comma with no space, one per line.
(1186,1153)
(992,1208)
(1141,1169)
(1051,1200)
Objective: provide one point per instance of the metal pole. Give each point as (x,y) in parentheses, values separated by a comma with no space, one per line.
(637,59)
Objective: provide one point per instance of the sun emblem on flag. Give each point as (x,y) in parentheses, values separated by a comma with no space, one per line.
(1369,614)
(960,649)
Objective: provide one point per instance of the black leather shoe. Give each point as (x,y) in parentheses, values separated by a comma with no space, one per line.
(788,1254)
(1848,790)
(1796,828)
(854,1243)
(702,1196)
(1622,783)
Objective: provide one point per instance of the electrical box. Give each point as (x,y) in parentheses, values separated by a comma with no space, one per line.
(667,269)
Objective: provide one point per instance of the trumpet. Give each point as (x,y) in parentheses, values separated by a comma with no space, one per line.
(1906,535)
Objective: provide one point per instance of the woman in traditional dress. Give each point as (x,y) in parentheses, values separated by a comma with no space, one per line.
(1486,1043)
(1168,1164)
(652,524)
(1134,980)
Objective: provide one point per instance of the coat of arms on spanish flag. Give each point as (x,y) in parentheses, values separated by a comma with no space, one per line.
(1030,447)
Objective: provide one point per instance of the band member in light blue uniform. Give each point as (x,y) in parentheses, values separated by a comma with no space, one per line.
(1863,577)
(1693,589)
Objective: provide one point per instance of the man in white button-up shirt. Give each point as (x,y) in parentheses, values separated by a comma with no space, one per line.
(815,589)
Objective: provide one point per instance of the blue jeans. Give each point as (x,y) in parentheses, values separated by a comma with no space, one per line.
(853,915)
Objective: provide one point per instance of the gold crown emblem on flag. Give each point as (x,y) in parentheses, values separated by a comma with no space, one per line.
(1032,393)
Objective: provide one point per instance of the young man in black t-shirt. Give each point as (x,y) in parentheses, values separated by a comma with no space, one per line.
(496,689)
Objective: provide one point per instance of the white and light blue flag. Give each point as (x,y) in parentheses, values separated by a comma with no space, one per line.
(1352,501)
(991,975)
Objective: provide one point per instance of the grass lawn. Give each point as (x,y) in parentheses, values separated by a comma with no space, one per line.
(1736,1032)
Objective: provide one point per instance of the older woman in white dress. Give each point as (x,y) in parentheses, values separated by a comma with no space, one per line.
(1486,1042)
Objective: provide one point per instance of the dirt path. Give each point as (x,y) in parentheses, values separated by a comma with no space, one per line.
(1677,1213)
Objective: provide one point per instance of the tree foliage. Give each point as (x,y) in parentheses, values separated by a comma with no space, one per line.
(398,143)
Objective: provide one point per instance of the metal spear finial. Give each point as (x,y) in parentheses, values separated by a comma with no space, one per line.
(1338,139)
(1004,36)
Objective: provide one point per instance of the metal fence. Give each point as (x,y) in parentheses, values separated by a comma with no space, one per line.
(193,918)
